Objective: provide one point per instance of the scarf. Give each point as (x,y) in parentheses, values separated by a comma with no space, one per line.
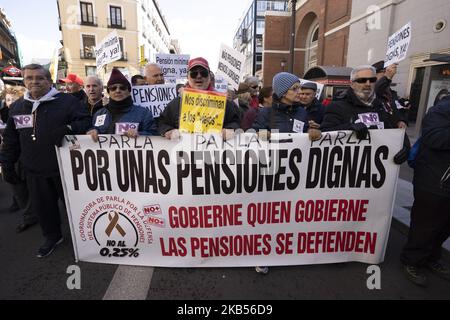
(48,97)
(120,107)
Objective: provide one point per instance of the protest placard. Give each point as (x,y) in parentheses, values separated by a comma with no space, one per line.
(155,98)
(398,45)
(320,87)
(202,111)
(108,50)
(173,66)
(231,64)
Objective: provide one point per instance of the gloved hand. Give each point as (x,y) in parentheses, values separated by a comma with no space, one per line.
(9,174)
(402,155)
(59,133)
(360,129)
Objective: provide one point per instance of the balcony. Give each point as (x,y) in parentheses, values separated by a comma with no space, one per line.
(87,55)
(117,24)
(87,21)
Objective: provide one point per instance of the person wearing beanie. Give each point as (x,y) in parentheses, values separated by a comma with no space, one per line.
(286,113)
(120,116)
(198,78)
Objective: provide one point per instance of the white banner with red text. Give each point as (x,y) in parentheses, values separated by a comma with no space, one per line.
(204,202)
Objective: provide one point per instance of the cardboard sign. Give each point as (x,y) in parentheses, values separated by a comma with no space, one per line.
(221,84)
(231,65)
(398,45)
(108,50)
(155,98)
(320,87)
(202,111)
(173,66)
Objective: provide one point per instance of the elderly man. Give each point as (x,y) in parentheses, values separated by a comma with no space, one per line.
(346,113)
(153,74)
(198,78)
(74,86)
(309,101)
(37,123)
(120,116)
(94,91)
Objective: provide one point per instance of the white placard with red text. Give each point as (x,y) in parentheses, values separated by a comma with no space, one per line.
(203,202)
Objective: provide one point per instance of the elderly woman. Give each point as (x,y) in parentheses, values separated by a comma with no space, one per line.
(120,116)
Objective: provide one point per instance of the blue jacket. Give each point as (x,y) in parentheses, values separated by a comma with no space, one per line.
(316,111)
(105,124)
(281,117)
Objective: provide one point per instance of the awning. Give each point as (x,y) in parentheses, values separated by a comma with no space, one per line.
(438,57)
(324,72)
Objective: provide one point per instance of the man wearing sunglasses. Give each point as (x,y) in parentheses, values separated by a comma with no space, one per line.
(199,79)
(346,113)
(120,116)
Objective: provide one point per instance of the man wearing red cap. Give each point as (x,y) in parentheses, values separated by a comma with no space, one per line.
(74,86)
(120,115)
(199,79)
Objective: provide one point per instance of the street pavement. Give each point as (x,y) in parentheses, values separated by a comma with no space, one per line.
(23,276)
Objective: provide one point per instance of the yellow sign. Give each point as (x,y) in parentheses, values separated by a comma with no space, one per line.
(202,111)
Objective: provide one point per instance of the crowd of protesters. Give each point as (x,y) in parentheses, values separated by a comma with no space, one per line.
(29,163)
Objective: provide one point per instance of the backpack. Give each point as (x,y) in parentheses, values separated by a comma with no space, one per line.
(413,152)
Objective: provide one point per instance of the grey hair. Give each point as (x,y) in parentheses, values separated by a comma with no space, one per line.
(99,81)
(152,64)
(35,66)
(361,68)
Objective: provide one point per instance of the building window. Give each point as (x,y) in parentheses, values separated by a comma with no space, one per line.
(91,71)
(87,13)
(116,17)
(88,51)
(312,46)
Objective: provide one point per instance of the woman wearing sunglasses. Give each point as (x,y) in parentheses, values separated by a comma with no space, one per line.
(120,116)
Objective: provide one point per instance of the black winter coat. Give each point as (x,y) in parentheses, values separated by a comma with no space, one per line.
(39,157)
(316,111)
(433,158)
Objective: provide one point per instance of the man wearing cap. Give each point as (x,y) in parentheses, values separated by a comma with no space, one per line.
(199,79)
(153,74)
(389,98)
(37,123)
(309,101)
(286,113)
(74,86)
(120,116)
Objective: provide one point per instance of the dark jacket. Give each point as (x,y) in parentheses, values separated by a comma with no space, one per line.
(170,118)
(281,117)
(131,114)
(39,157)
(434,153)
(93,109)
(389,99)
(342,113)
(4,112)
(316,111)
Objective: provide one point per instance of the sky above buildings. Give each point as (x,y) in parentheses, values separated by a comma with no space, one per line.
(199,25)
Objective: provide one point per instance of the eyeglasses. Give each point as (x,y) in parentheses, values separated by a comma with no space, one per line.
(255,87)
(364,80)
(203,73)
(120,87)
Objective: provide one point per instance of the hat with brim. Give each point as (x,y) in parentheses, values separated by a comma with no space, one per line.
(72,78)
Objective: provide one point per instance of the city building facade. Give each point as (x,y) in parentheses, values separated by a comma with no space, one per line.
(141,27)
(9,52)
(320,37)
(249,36)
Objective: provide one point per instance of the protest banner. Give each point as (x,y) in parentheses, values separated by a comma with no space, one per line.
(205,202)
(108,50)
(231,64)
(155,98)
(398,45)
(173,66)
(202,111)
